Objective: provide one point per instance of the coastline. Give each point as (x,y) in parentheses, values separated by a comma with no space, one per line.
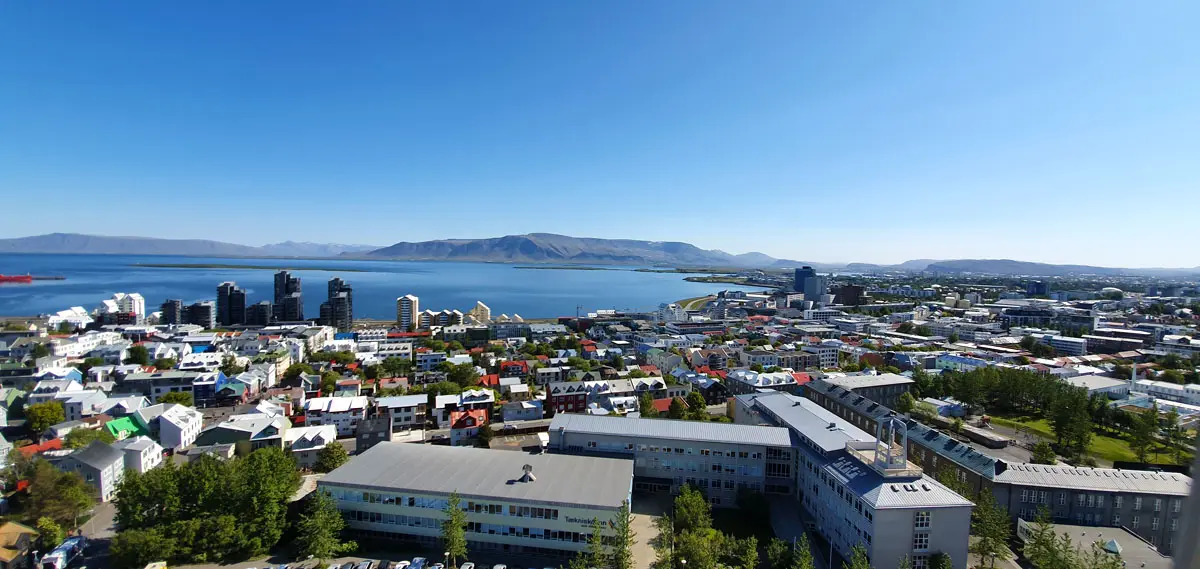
(252,267)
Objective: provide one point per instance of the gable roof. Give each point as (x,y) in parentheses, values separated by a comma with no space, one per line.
(98,455)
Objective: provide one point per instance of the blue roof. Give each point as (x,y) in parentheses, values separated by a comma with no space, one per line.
(344,336)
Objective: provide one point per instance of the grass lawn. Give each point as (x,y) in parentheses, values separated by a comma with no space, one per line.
(1103,446)
(741,523)
(694,303)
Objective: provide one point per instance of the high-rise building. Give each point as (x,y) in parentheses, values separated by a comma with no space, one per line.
(224,291)
(481,314)
(810,283)
(260,314)
(407,309)
(1037,288)
(202,314)
(291,309)
(338,311)
(172,312)
(237,306)
(285,286)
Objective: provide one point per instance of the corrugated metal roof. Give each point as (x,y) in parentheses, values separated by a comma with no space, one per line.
(809,419)
(1097,479)
(488,474)
(672,429)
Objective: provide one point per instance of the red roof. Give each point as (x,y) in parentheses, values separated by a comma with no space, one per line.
(703,369)
(468,419)
(52,444)
(663,405)
(587,342)
(352,366)
(652,370)
(590,348)
(544,358)
(490,380)
(475,351)
(407,334)
(720,373)
(524,367)
(801,377)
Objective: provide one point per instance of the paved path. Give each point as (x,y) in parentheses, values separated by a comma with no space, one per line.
(101,525)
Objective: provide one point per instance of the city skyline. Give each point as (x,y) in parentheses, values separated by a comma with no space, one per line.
(963,131)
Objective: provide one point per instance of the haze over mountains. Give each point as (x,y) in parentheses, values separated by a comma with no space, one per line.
(536,248)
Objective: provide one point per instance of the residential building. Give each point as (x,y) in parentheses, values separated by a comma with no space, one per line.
(515,502)
(260,314)
(465,425)
(123,308)
(100,465)
(406,411)
(338,310)
(672,313)
(1064,345)
(372,431)
(342,412)
(141,454)
(203,314)
(16,546)
(884,388)
(826,351)
(1110,387)
(80,404)
(288,287)
(427,361)
(481,314)
(718,458)
(171,312)
(522,410)
(247,432)
(407,309)
(231,304)
(306,442)
(764,358)
(741,381)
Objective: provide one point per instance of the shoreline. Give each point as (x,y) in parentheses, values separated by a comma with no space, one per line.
(251,267)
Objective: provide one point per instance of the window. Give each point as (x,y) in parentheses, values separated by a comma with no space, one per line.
(1024,496)
(1154,524)
(1045,498)
(591,444)
(921,520)
(1062,498)
(1174,525)
(1091,501)
(1158,504)
(1116,520)
(1137,503)
(1079,500)
(1117,501)
(1100,501)
(921,541)
(705,452)
(920,562)
(1175,505)
(1134,522)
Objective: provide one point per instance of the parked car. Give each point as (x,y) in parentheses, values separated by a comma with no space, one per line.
(437,566)
(368,564)
(401,565)
(417,563)
(499,567)
(467,565)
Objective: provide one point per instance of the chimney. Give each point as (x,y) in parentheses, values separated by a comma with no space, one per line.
(528,476)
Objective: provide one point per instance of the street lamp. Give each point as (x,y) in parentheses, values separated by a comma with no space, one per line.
(683,562)
(447,560)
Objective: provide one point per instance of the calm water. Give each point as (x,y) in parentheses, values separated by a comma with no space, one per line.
(504,288)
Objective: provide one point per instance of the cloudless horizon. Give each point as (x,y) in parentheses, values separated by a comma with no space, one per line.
(1062,132)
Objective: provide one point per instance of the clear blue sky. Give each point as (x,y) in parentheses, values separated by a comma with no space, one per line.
(825,131)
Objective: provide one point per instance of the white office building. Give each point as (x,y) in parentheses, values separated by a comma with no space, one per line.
(407,309)
(515,502)
(342,412)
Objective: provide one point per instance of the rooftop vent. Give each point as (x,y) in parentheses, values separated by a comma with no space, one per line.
(528,476)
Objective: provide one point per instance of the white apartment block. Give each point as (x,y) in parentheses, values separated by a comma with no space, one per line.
(827,352)
(174,426)
(407,411)
(342,412)
(141,453)
(408,308)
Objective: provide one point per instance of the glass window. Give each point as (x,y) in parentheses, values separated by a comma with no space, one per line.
(921,541)
(921,520)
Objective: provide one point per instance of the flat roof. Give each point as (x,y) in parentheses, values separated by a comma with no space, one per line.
(1095,381)
(488,474)
(807,417)
(672,429)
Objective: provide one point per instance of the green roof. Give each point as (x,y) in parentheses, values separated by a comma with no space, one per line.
(124,428)
(237,387)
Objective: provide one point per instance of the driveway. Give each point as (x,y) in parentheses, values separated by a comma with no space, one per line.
(101,525)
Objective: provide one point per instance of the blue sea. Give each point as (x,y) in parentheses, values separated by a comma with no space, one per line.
(440,285)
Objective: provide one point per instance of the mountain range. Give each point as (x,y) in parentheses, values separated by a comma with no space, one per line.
(64,243)
(539,248)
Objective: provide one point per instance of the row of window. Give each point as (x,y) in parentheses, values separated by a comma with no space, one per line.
(440,504)
(1135,522)
(718,468)
(1094,500)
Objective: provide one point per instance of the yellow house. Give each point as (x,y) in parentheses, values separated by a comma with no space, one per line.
(16,542)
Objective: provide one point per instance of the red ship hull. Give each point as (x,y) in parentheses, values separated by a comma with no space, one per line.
(16,278)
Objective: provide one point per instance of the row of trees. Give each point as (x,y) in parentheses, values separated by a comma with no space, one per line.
(206,511)
(688,535)
(1046,549)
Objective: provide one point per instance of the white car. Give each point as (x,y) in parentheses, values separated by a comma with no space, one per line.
(401,565)
(467,565)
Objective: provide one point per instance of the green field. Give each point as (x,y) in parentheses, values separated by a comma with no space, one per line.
(1103,446)
(694,303)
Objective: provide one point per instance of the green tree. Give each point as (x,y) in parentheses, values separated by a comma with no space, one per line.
(330,457)
(699,547)
(464,375)
(50,533)
(802,557)
(485,436)
(81,437)
(990,526)
(623,538)
(293,372)
(697,406)
(905,328)
(88,364)
(179,398)
(329,381)
(858,559)
(136,548)
(454,529)
(906,403)
(396,367)
(39,351)
(60,496)
(617,362)
(941,561)
(677,409)
(1072,422)
(779,554)
(318,531)
(743,553)
(1043,548)
(230,366)
(165,363)
(1043,453)
(1174,435)
(646,405)
(1097,557)
(753,367)
(637,373)
(40,416)
(595,555)
(692,511)
(139,355)
(1141,433)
